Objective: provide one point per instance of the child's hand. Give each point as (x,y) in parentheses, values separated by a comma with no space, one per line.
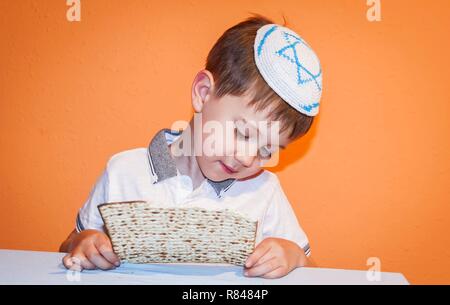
(274,258)
(91,249)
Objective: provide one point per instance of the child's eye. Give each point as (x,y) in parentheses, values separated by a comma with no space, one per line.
(265,153)
(241,135)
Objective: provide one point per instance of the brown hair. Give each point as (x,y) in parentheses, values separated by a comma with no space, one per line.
(233,67)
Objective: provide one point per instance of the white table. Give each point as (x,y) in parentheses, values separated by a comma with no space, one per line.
(31,267)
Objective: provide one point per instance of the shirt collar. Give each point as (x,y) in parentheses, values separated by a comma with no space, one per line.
(163,165)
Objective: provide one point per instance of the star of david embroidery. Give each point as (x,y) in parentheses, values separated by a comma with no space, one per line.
(294,59)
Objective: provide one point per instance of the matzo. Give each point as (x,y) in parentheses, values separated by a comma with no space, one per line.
(144,233)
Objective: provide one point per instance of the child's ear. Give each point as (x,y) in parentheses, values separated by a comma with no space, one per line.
(202,88)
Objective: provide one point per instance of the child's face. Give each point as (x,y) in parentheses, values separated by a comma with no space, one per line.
(236,140)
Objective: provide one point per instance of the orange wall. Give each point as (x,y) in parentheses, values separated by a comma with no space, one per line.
(371,179)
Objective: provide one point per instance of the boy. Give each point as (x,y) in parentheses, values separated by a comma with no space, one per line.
(257,72)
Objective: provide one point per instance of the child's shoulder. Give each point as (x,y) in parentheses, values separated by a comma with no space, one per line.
(128,160)
(269,176)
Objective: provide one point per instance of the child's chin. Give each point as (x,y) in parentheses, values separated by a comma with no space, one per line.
(217,177)
(216,174)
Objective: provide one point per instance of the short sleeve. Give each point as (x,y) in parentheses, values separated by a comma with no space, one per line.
(280,221)
(89,216)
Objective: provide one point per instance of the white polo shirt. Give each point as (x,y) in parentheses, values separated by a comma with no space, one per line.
(151,174)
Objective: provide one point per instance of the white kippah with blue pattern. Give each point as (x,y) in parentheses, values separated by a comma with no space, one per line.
(290,67)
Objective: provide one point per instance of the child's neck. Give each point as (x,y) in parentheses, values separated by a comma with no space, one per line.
(187,163)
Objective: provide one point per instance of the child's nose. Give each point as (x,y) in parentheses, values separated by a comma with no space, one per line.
(246,152)
(245,159)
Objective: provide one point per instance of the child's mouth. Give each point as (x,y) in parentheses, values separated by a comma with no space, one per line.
(227,169)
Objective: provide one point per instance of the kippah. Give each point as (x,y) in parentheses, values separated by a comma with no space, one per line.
(290,67)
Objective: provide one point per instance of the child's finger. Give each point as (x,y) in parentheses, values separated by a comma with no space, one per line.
(266,257)
(109,254)
(260,250)
(274,274)
(67,261)
(262,269)
(98,260)
(85,263)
